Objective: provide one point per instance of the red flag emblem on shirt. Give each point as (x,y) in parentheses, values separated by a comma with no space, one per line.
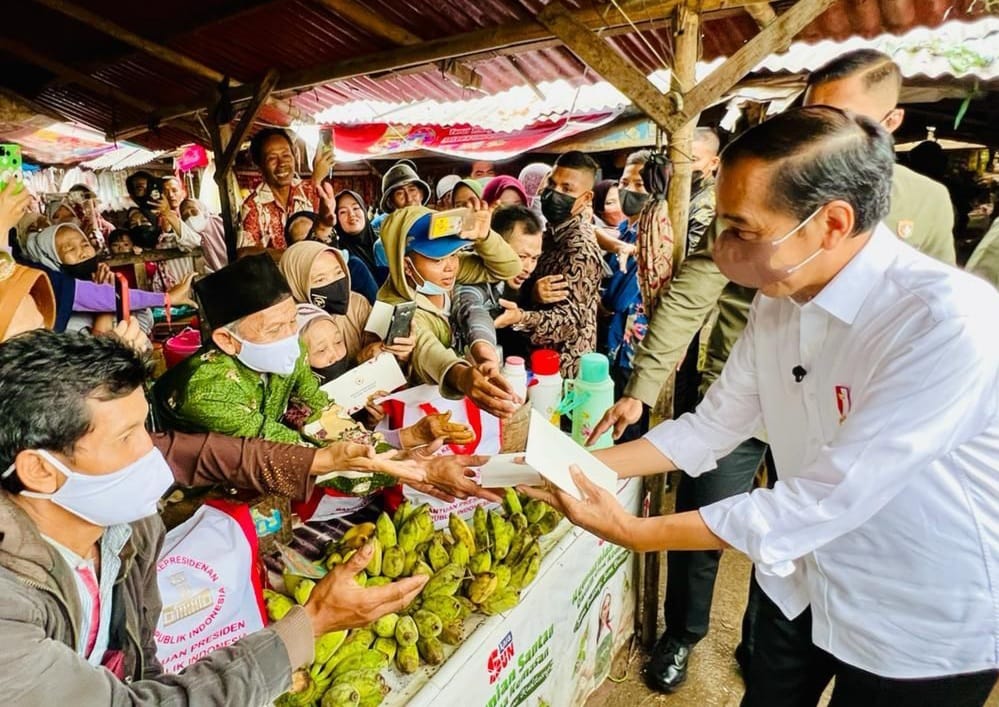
(843,402)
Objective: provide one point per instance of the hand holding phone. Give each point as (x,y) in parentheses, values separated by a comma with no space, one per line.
(122,307)
(402,322)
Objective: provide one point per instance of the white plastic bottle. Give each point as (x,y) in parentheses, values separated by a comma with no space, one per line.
(545,392)
(515,372)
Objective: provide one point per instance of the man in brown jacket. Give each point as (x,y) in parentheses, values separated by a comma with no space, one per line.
(79,539)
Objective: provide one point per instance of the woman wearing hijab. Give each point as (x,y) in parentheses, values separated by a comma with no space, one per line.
(504,190)
(305,226)
(318,275)
(354,232)
(608,218)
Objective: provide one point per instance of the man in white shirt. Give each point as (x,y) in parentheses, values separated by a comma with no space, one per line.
(872,369)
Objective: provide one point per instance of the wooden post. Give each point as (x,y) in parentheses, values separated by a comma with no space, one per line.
(220,135)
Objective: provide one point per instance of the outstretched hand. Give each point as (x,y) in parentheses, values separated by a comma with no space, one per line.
(598,511)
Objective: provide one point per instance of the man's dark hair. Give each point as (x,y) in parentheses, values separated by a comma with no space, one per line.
(820,154)
(877,69)
(118,234)
(506,218)
(45,381)
(581,161)
(135,176)
(640,157)
(257,143)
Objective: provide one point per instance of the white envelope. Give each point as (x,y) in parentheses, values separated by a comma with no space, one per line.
(380,319)
(352,390)
(549,455)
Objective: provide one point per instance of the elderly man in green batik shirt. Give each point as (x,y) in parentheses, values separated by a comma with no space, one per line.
(241,384)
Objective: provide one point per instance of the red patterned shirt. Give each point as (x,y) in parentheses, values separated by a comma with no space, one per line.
(263,217)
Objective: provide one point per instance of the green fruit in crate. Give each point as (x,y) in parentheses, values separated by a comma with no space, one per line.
(393,561)
(385,531)
(406,631)
(524,572)
(332,560)
(517,547)
(431,650)
(277,604)
(407,658)
(534,510)
(480,529)
(482,587)
(385,626)
(371,686)
(503,574)
(388,646)
(511,501)
(501,533)
(368,660)
(409,563)
(356,536)
(328,644)
(445,581)
(442,536)
(417,529)
(437,555)
(303,590)
(549,521)
(422,568)
(361,578)
(467,607)
(481,561)
(453,632)
(378,581)
(428,623)
(459,554)
(500,602)
(461,532)
(374,567)
(342,695)
(447,608)
(401,514)
(519,522)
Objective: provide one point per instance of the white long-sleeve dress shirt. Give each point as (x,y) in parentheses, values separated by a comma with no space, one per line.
(885,519)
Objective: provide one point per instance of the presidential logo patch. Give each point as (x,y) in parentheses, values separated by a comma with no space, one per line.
(904,229)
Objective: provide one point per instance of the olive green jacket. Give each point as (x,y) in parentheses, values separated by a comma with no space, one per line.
(214,392)
(921,213)
(491,260)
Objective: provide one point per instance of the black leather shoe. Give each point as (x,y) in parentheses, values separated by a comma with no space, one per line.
(667,666)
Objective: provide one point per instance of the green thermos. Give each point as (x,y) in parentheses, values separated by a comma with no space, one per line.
(588,397)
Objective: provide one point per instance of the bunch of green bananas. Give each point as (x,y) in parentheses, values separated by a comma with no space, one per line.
(479,566)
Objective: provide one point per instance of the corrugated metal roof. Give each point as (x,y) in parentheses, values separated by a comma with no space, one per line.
(243,39)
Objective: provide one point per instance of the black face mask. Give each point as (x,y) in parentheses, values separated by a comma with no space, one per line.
(82,271)
(332,371)
(632,202)
(334,298)
(556,206)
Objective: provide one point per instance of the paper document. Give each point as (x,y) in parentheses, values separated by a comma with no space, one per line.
(380,319)
(352,390)
(549,455)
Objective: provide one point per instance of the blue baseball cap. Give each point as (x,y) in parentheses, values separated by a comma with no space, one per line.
(418,241)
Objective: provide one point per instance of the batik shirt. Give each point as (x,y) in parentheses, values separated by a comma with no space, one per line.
(263,217)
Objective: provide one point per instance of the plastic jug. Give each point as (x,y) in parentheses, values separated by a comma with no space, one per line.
(515,372)
(588,397)
(179,347)
(545,391)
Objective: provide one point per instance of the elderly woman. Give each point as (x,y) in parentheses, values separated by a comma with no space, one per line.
(318,274)
(505,190)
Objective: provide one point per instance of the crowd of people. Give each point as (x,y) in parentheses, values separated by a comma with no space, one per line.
(847,355)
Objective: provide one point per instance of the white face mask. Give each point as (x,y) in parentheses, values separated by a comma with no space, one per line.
(278,357)
(123,496)
(197,221)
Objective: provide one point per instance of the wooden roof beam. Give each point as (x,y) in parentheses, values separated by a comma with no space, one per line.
(601,57)
(242,129)
(762,13)
(371,21)
(774,38)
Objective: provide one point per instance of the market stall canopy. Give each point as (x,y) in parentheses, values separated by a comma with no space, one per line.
(136,72)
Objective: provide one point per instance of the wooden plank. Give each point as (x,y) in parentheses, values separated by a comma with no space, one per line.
(685,48)
(242,128)
(220,137)
(96,21)
(69,73)
(601,57)
(371,21)
(762,13)
(776,37)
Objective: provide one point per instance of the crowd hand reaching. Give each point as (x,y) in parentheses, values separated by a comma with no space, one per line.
(483,216)
(401,347)
(511,316)
(598,511)
(180,294)
(434,427)
(490,392)
(484,355)
(322,163)
(376,413)
(104,274)
(327,203)
(625,251)
(350,456)
(12,207)
(130,334)
(454,476)
(338,602)
(551,289)
(626,411)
